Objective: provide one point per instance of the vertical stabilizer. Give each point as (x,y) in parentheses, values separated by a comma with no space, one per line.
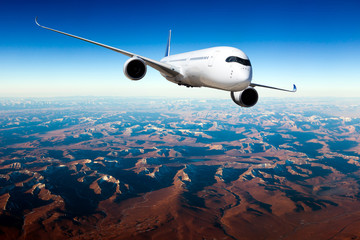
(167,53)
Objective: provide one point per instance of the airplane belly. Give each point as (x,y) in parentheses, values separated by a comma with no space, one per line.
(193,76)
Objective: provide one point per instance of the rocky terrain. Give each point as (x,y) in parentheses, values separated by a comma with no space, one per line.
(118,168)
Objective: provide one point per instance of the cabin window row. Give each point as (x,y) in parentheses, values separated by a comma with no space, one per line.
(199,58)
(178,60)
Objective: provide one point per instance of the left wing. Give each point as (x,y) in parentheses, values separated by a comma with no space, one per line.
(281,89)
(164,68)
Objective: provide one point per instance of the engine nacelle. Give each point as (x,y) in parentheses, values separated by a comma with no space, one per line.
(135,68)
(246,98)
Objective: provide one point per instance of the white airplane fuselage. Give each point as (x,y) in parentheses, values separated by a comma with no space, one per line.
(208,68)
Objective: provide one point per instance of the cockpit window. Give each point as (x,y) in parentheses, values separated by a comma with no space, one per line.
(245,62)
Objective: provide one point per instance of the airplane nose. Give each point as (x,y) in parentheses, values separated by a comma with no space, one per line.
(245,74)
(250,74)
(242,80)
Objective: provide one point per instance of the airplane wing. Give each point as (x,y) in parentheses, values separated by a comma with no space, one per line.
(286,90)
(164,68)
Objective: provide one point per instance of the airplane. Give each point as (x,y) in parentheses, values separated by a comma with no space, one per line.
(224,68)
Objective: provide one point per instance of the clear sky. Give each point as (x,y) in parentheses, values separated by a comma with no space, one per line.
(315,44)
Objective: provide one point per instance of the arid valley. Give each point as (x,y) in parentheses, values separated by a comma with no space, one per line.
(121,168)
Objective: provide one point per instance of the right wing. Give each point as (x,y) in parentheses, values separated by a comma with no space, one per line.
(281,89)
(164,68)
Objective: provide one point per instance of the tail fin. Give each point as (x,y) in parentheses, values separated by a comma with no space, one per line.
(167,53)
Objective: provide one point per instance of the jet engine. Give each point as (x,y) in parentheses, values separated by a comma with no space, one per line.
(246,98)
(135,68)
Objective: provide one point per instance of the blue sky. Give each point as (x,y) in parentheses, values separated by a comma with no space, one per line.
(315,44)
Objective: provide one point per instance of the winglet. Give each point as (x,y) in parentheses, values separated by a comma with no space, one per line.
(294,88)
(167,52)
(37,21)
